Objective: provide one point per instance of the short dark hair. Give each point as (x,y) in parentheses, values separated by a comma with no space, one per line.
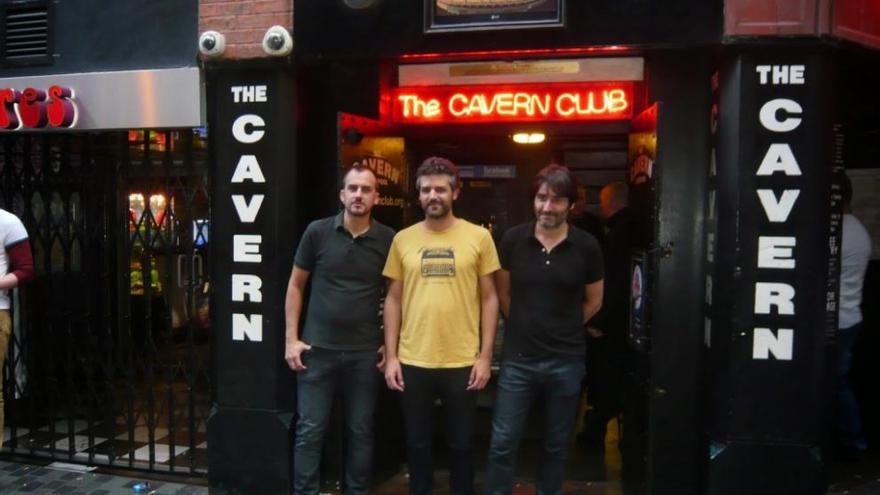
(359,167)
(436,165)
(559,180)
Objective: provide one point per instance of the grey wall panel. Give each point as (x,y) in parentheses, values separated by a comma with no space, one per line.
(98,35)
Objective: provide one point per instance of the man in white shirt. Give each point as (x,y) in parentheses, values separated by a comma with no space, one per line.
(854,256)
(16,269)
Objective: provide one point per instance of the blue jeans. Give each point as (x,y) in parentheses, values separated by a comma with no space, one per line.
(557,382)
(849,423)
(354,374)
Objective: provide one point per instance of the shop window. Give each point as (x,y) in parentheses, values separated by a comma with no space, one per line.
(56,256)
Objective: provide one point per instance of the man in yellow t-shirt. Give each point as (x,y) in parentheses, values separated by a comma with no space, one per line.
(441,311)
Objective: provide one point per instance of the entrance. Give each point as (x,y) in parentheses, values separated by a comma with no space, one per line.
(496,194)
(108,363)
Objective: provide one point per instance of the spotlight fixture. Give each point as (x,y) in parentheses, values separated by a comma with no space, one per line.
(529,137)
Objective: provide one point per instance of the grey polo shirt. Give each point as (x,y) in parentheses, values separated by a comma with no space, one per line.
(346,284)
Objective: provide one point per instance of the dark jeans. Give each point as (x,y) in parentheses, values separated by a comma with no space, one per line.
(849,423)
(421,387)
(557,382)
(328,371)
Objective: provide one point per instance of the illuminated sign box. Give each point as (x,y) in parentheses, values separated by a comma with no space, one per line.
(559,102)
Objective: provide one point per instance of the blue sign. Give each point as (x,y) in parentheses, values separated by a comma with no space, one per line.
(487,171)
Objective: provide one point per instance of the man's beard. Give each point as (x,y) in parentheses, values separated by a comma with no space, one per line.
(551,221)
(435,214)
(364,211)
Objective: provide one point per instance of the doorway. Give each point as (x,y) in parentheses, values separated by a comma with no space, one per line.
(496,194)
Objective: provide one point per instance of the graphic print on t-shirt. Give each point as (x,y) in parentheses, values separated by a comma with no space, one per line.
(438,262)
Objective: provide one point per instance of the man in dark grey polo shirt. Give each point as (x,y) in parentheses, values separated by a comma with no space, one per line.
(344,256)
(549,285)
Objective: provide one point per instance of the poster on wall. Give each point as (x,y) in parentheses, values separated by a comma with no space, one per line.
(385,156)
(457,15)
(638,301)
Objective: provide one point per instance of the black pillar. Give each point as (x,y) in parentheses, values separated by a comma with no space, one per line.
(677,79)
(253,159)
(770,249)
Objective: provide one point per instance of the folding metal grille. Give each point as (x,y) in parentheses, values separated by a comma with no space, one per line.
(109,362)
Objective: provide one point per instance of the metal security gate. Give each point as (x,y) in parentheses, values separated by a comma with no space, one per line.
(109,362)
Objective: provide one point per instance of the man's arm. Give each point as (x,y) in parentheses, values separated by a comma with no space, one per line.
(381,351)
(502,283)
(21,265)
(293,302)
(391,317)
(482,369)
(593,299)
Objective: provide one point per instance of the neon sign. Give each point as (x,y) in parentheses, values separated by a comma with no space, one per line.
(512,103)
(35,108)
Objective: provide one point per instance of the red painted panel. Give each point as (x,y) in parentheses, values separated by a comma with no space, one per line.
(770,17)
(857,20)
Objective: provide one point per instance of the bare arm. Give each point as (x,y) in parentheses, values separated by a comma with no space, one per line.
(593,299)
(293,303)
(481,370)
(391,316)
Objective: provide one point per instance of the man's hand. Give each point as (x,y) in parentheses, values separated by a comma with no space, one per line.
(293,354)
(394,375)
(594,332)
(381,363)
(480,374)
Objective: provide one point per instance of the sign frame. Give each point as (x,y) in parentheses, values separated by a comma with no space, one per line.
(443,16)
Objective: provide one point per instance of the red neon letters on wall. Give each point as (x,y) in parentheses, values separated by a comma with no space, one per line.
(513,103)
(35,108)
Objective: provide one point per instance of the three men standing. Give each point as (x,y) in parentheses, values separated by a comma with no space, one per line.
(441,313)
(337,349)
(550,284)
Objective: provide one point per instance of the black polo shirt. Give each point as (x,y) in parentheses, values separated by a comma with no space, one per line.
(547,291)
(346,284)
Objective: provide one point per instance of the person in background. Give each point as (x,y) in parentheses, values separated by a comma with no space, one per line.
(441,314)
(855,254)
(549,285)
(607,345)
(17,269)
(337,349)
(581,218)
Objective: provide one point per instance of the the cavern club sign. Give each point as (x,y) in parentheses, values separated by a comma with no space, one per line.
(35,108)
(513,103)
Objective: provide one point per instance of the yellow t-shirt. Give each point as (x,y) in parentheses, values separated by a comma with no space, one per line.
(440,272)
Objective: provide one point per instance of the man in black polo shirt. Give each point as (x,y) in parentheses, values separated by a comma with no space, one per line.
(343,255)
(549,285)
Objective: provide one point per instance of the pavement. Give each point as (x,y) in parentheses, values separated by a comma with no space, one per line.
(68,479)
(859,475)
(854,477)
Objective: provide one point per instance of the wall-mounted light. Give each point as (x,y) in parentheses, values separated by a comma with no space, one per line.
(529,137)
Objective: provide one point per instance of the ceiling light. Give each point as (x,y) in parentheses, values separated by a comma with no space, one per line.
(529,137)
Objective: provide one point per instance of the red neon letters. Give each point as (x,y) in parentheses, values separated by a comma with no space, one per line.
(513,103)
(35,108)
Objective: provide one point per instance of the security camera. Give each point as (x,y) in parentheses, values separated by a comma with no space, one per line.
(277,41)
(212,44)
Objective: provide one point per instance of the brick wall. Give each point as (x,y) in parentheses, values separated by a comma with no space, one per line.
(243,23)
